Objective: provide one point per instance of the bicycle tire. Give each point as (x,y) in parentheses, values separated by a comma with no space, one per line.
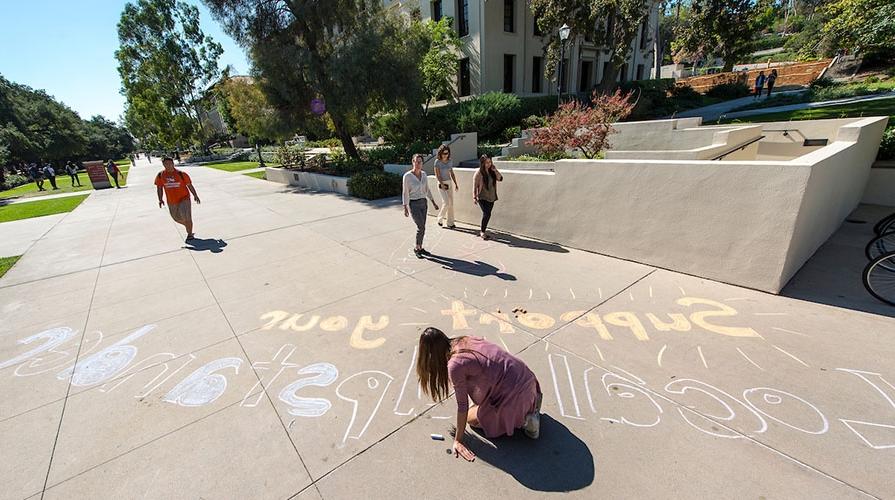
(887,227)
(879,278)
(884,243)
(878,228)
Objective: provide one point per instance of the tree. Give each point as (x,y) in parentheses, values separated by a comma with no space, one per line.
(252,115)
(583,127)
(106,140)
(165,62)
(613,23)
(723,27)
(441,61)
(865,25)
(353,57)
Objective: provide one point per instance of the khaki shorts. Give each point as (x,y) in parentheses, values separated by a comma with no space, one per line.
(181,212)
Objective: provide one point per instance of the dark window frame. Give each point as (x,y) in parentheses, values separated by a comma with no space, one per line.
(462,18)
(509,73)
(509,16)
(537,74)
(437,10)
(464,85)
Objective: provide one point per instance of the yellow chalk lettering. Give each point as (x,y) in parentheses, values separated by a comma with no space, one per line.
(502,319)
(334,323)
(537,321)
(458,312)
(366,323)
(627,320)
(678,323)
(292,323)
(699,317)
(588,320)
(276,317)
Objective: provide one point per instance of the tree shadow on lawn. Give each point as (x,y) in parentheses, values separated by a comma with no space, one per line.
(516,241)
(557,461)
(206,245)
(477,268)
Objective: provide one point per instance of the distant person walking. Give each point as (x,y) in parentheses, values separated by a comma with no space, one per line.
(72,170)
(759,84)
(37,176)
(485,190)
(50,173)
(504,391)
(114,171)
(772,79)
(414,194)
(444,172)
(177,187)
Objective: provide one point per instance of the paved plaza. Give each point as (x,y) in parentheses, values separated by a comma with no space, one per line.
(274,358)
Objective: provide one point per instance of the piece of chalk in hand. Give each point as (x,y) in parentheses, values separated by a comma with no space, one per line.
(437,437)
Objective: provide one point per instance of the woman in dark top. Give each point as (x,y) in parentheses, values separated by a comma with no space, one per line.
(772,79)
(485,190)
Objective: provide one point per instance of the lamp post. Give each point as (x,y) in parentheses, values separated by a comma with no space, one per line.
(563,36)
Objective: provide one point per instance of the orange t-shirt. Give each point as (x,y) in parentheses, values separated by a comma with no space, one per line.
(175,185)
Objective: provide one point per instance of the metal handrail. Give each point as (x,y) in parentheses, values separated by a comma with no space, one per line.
(461,136)
(739,148)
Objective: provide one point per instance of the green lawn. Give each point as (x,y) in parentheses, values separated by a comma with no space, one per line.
(257,175)
(30,190)
(18,211)
(6,264)
(882,107)
(233,166)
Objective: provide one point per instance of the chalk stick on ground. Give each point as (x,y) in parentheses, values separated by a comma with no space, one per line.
(437,437)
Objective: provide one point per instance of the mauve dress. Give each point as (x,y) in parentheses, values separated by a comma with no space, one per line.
(499,383)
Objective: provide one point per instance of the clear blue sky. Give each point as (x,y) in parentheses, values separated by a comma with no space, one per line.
(67,47)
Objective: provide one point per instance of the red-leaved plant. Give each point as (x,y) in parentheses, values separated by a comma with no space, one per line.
(582,127)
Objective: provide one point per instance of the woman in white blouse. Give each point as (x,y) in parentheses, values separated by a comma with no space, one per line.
(414,194)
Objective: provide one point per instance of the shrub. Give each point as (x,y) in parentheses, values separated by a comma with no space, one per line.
(887,146)
(577,126)
(332,142)
(534,121)
(13,180)
(290,157)
(491,150)
(872,79)
(540,157)
(822,83)
(511,133)
(537,105)
(373,185)
(390,126)
(650,97)
(729,91)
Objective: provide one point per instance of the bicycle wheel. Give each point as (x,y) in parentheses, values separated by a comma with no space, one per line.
(880,245)
(887,227)
(880,227)
(879,278)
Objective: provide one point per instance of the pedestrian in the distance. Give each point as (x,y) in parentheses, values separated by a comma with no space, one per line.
(177,187)
(414,194)
(444,172)
(485,190)
(759,84)
(772,79)
(72,172)
(50,173)
(37,176)
(114,171)
(505,393)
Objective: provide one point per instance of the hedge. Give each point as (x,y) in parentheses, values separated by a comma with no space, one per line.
(373,185)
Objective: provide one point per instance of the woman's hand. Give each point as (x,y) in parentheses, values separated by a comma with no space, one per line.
(456,187)
(406,213)
(475,200)
(460,450)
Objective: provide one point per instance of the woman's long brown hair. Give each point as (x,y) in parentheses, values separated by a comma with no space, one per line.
(432,364)
(488,176)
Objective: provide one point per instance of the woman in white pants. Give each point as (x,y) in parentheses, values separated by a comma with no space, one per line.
(444,172)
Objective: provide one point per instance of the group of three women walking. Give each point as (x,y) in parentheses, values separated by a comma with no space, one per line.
(416,192)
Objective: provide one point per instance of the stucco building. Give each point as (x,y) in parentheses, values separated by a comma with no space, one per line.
(503,50)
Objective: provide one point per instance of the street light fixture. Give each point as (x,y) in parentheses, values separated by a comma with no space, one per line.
(563,36)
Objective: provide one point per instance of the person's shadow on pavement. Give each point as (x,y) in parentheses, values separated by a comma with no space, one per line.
(557,461)
(206,245)
(477,268)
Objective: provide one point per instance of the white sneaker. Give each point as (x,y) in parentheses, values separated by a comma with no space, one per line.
(532,425)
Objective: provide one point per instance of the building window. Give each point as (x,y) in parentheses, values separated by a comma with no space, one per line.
(509,72)
(462,17)
(537,29)
(537,72)
(584,82)
(436,11)
(643,33)
(640,69)
(464,77)
(509,16)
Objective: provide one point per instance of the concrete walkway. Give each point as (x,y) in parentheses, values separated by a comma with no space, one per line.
(808,105)
(713,112)
(274,358)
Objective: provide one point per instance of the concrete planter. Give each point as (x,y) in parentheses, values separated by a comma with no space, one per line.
(881,185)
(317,182)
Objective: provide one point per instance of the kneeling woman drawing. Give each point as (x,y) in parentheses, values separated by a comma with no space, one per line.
(505,392)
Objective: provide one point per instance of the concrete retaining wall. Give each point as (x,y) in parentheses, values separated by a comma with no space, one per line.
(750,223)
(317,182)
(790,74)
(881,184)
